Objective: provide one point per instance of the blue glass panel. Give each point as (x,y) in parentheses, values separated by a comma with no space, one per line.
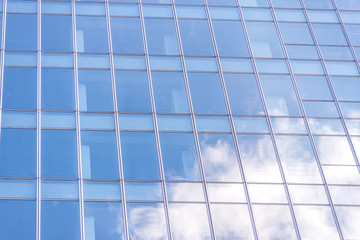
(90,8)
(174,123)
(350,17)
(21,31)
(17,188)
(236,65)
(307,67)
(271,66)
(19,88)
(136,122)
(288,125)
(325,34)
(169,92)
(99,155)
(130,10)
(286,3)
(91,34)
(56,33)
(213,123)
(190,12)
(334,150)
(320,109)
(322,16)
(336,53)
(326,126)
(180,192)
(20,59)
(319,4)
(93,61)
(342,68)
(57,89)
(251,124)
(222,3)
(56,7)
(57,120)
(289,15)
(157,10)
(253,3)
(190,2)
(57,60)
(60,220)
(139,156)
(18,119)
(348,4)
(165,63)
(126,35)
(129,62)
(346,88)
(257,14)
(243,93)
(195,37)
(206,93)
(97,121)
(224,13)
(51,189)
(18,153)
(179,156)
(20,6)
(296,33)
(201,64)
(350,110)
(302,52)
(103,221)
(18,219)
(313,87)
(101,190)
(143,191)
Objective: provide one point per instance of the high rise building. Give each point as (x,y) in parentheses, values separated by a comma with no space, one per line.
(180,119)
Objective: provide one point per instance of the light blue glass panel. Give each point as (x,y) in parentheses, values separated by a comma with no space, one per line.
(334,150)
(157,1)
(190,12)
(60,220)
(346,88)
(174,123)
(280,101)
(179,156)
(342,68)
(224,13)
(251,124)
(307,67)
(336,53)
(91,34)
(143,191)
(264,39)
(357,51)
(236,65)
(146,219)
(350,17)
(56,33)
(130,10)
(21,31)
(51,189)
(165,63)
(56,7)
(157,11)
(288,125)
(99,155)
(97,120)
(313,87)
(353,33)
(319,4)
(308,194)
(346,214)
(139,156)
(129,62)
(161,36)
(192,192)
(18,119)
(136,122)
(289,15)
(219,158)
(302,52)
(230,39)
(271,66)
(89,8)
(57,120)
(212,123)
(325,34)
(326,126)
(132,91)
(286,3)
(101,190)
(126,35)
(19,88)
(58,154)
(57,60)
(20,59)
(17,188)
(320,109)
(18,153)
(253,3)
(200,64)
(350,110)
(190,2)
(103,220)
(221,3)
(93,61)
(206,93)
(225,192)
(346,195)
(348,4)
(296,33)
(353,126)
(258,14)
(11,224)
(322,16)
(243,94)
(195,37)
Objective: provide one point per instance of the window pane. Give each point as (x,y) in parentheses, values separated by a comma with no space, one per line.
(313,87)
(21,33)
(319,4)
(325,34)
(334,150)
(296,33)
(56,33)
(91,34)
(347,88)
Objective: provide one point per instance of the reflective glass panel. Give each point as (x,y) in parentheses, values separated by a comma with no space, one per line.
(91,34)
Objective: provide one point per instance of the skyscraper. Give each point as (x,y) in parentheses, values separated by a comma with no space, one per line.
(180,119)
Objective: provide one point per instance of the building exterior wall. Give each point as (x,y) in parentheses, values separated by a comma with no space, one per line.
(180,119)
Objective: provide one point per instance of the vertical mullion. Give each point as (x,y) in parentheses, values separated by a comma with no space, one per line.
(117,129)
(232,125)
(156,131)
(2,56)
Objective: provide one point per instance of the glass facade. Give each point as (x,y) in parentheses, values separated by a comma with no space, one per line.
(180,119)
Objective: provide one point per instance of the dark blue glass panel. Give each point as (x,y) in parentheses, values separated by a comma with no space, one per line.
(195,37)
(206,93)
(139,156)
(103,221)
(99,155)
(179,156)
(58,154)
(60,220)
(170,93)
(18,153)
(95,92)
(243,93)
(126,35)
(132,91)
(91,34)
(21,32)
(230,39)
(57,89)
(19,89)
(56,33)
(17,220)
